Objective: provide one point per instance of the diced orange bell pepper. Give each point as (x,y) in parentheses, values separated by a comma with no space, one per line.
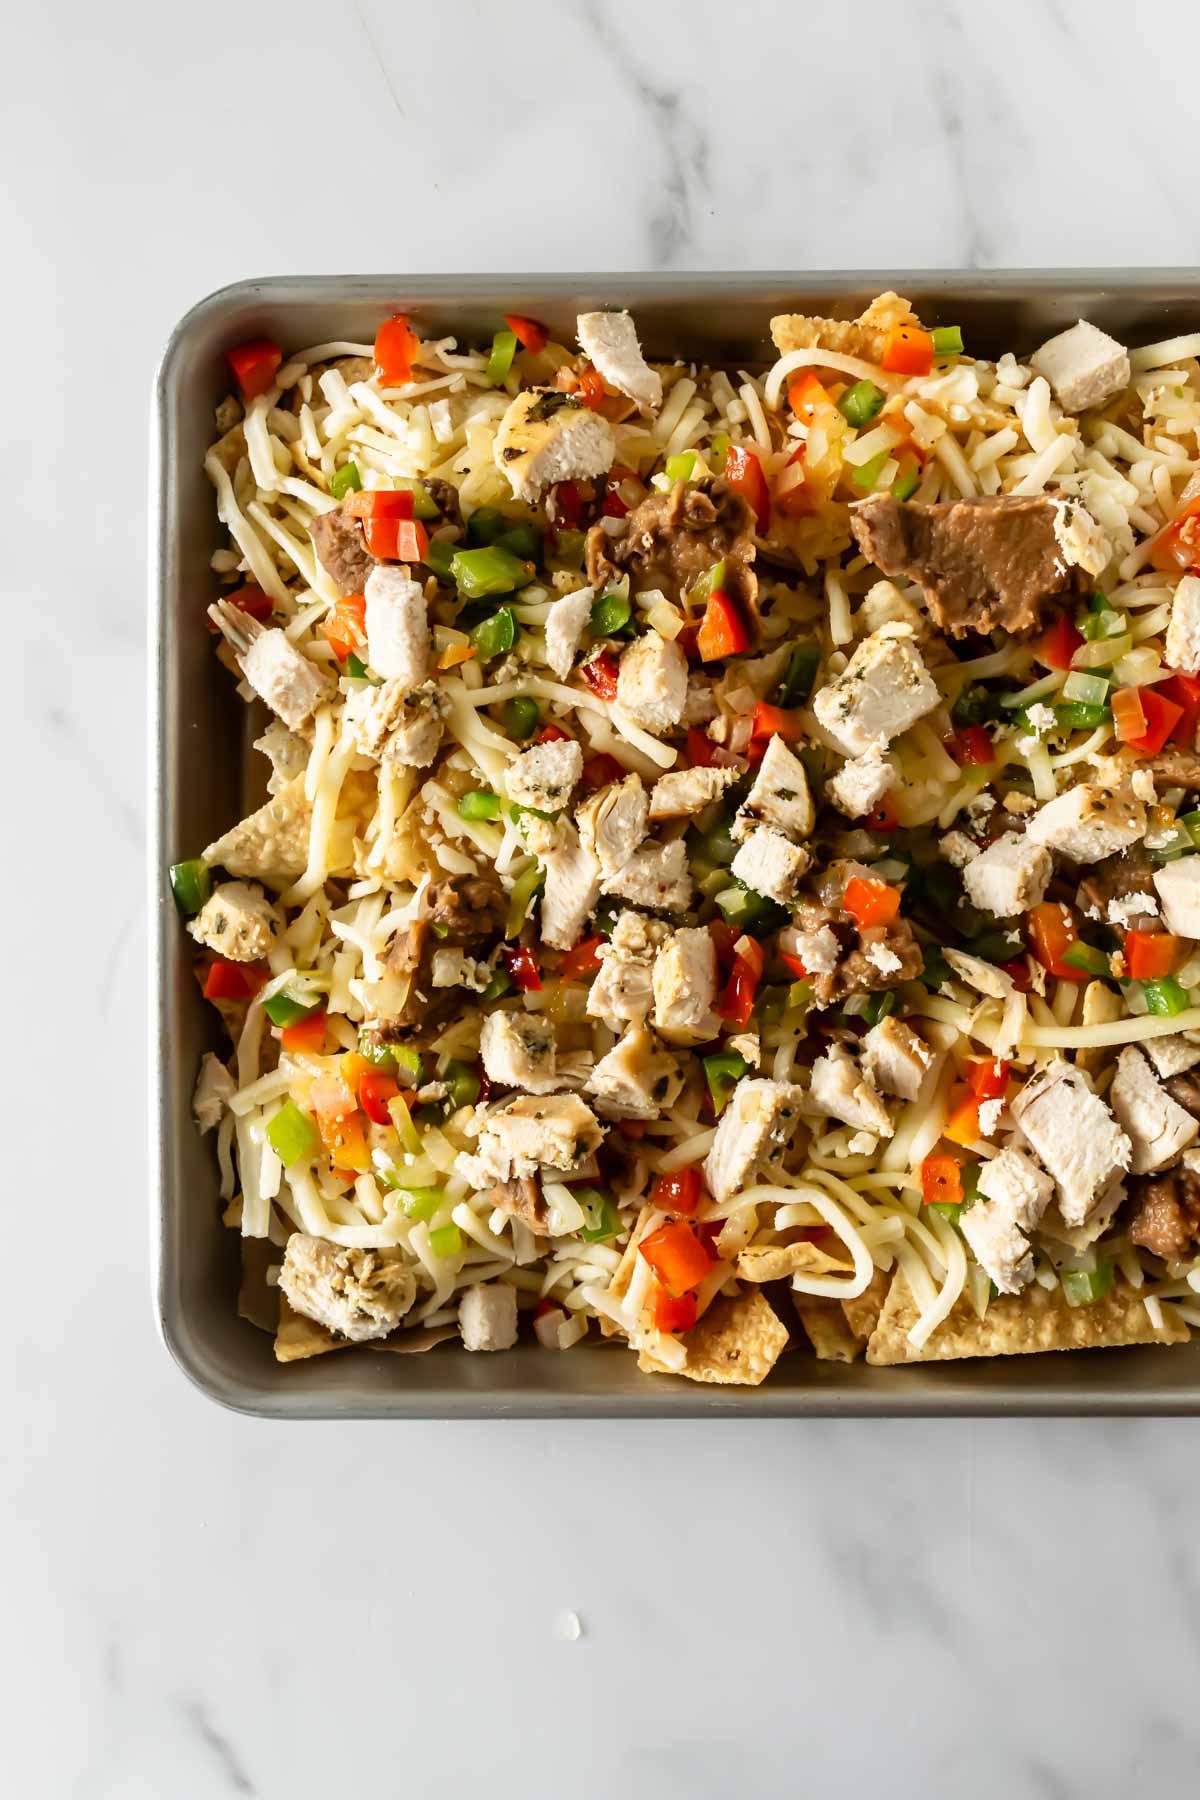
(672,1312)
(722,632)
(375,1089)
(941,1180)
(340,1124)
(737,1002)
(776,721)
(395,342)
(1052,931)
(907,350)
(680,1191)
(1058,643)
(870,902)
(962,1127)
(583,960)
(254,364)
(677,1256)
(1144,719)
(806,393)
(307,1036)
(591,388)
(987,1077)
(528,333)
(454,654)
(345,627)
(1177,545)
(1149,955)
(744,474)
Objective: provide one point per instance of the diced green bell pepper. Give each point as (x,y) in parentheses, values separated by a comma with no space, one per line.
(741,906)
(425,507)
(908,480)
(346,480)
(496,635)
(293,1135)
(446,1241)
(520,900)
(489,570)
(879,1006)
(1079,715)
(409,1067)
(859,404)
(1083,1287)
(1086,957)
(975,706)
(718,450)
(609,613)
(479,805)
(287,1009)
(373,1051)
(521,716)
(867,474)
(191,884)
(522,540)
(356,668)
(603,1220)
(717,845)
(947,340)
(1164,998)
(504,348)
(440,558)
(802,668)
(462,1085)
(486,524)
(723,1072)
(679,468)
(949,1209)
(710,582)
(418,1202)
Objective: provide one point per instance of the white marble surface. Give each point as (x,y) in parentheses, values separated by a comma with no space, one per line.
(200,1606)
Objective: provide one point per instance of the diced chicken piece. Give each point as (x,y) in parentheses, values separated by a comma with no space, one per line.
(292,686)
(1016,1187)
(884,688)
(393,724)
(487,1316)
(1084,366)
(1009,877)
(999,1247)
(547,436)
(270,845)
(1172,1055)
(652,682)
(818,950)
(397,626)
(1089,822)
(656,876)
(520,1136)
(454,968)
(215,1088)
(780,795)
(286,751)
(760,1116)
(518,1050)
(1183,630)
(683,792)
(861,783)
(1084,543)
(701,704)
(985,977)
(544,776)
(839,1089)
(1158,1127)
(572,888)
(360,1294)
(685,987)
(770,864)
(613,822)
(238,922)
(1074,1135)
(610,342)
(623,990)
(1178,885)
(566,623)
(895,1060)
(637,1079)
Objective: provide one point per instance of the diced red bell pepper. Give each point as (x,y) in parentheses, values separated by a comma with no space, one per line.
(987,1077)
(737,1002)
(254,364)
(232,981)
(252,601)
(528,333)
(600,673)
(631,1128)
(601,771)
(671,1312)
(883,817)
(375,1089)
(680,1191)
(907,350)
(744,474)
(794,964)
(1184,691)
(307,1036)
(776,721)
(379,503)
(591,388)
(395,342)
(700,748)
(796,499)
(1052,931)
(553,734)
(962,1126)
(1144,719)
(345,628)
(870,902)
(1177,545)
(677,1256)
(1018,973)
(568,503)
(1149,955)
(1058,643)
(523,970)
(583,960)
(941,1180)
(725,938)
(721,632)
(971,744)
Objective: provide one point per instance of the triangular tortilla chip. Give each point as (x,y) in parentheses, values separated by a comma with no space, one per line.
(1019,1325)
(411,1343)
(298,1337)
(828,1333)
(862,1313)
(737,1342)
(779,1262)
(864,336)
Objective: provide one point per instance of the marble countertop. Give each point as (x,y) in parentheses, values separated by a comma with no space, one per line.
(203,1606)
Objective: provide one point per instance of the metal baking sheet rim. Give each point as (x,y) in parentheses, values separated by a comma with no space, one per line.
(194,1268)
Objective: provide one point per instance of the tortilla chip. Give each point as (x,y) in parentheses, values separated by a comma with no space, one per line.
(779,1262)
(828,1333)
(737,1343)
(862,1313)
(258,1302)
(411,1343)
(864,336)
(1019,1325)
(298,1337)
